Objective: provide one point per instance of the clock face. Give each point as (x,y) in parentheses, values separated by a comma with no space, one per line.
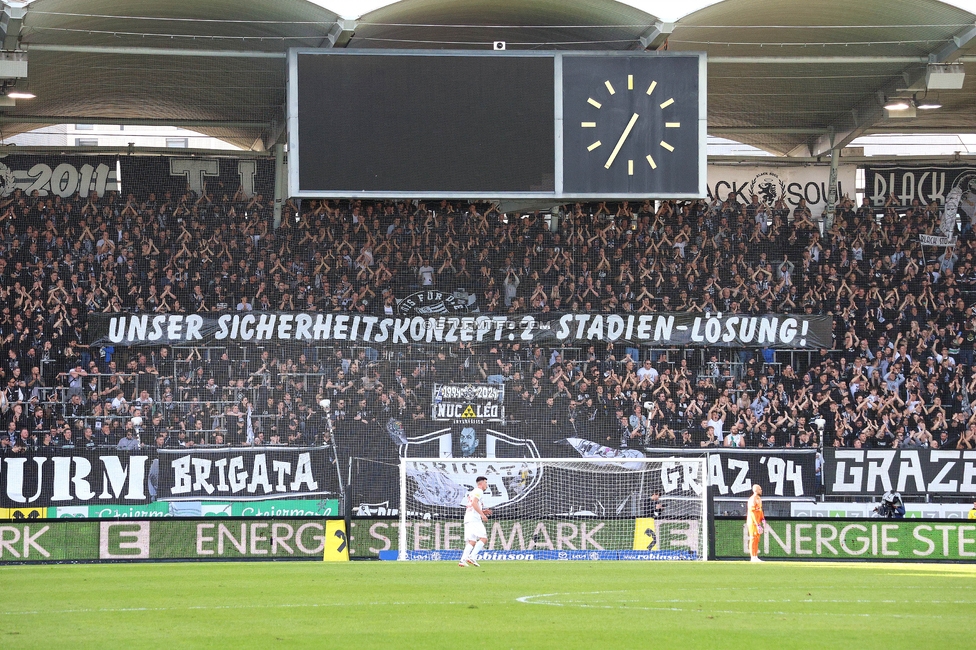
(630,126)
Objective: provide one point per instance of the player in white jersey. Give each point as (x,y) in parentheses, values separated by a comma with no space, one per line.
(475,536)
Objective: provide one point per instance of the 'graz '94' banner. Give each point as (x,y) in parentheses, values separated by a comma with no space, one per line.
(785,331)
(246,474)
(733,472)
(909,471)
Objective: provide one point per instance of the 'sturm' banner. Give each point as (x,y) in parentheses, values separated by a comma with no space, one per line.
(785,331)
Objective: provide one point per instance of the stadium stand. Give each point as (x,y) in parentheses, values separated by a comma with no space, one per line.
(900,373)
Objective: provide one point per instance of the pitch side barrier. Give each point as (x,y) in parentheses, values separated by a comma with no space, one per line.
(202,538)
(899,540)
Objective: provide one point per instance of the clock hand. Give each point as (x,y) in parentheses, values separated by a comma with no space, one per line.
(620,142)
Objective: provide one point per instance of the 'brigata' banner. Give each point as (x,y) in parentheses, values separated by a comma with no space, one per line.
(784,331)
(246,474)
(865,472)
(927,184)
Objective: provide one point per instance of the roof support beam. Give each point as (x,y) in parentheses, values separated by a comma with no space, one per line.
(341,33)
(156,51)
(867,112)
(760,130)
(135,121)
(952,50)
(11,21)
(655,37)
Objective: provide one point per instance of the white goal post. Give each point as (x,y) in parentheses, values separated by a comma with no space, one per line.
(558,508)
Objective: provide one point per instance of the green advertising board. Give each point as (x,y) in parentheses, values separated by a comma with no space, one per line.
(266,508)
(852,539)
(368,537)
(161,539)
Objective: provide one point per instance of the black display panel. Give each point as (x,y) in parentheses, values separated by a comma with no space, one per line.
(631,125)
(434,125)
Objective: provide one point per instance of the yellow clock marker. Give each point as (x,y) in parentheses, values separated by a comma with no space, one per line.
(652,87)
(666,146)
(672,125)
(594,145)
(651,162)
(630,82)
(630,167)
(593,102)
(667,103)
(609,87)
(588,125)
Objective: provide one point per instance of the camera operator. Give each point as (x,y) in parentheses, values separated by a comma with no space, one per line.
(891,507)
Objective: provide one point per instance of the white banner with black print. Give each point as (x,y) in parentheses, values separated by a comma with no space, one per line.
(771,184)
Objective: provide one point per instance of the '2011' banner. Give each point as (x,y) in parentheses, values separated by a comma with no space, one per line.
(58,175)
(784,331)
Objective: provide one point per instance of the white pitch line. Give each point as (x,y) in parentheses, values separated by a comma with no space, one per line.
(219,607)
(533,600)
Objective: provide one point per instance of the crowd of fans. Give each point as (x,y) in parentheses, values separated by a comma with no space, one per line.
(900,374)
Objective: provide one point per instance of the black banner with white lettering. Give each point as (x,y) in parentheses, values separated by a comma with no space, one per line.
(75,478)
(218,176)
(468,403)
(789,473)
(782,331)
(246,474)
(925,183)
(915,472)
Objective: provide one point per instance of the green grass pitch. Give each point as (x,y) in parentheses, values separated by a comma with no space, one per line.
(500,605)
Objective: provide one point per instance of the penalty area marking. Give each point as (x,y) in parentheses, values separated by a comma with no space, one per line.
(621,603)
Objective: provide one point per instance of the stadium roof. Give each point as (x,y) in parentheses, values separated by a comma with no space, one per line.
(793,77)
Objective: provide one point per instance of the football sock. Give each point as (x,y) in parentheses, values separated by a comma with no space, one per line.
(467,551)
(754,545)
(477,549)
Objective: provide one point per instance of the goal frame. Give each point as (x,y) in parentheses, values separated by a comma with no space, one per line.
(706,520)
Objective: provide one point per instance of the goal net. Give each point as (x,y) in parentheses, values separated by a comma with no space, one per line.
(557,509)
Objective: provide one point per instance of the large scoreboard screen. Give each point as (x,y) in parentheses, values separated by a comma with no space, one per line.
(435,124)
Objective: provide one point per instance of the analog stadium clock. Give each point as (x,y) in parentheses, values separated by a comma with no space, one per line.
(631,125)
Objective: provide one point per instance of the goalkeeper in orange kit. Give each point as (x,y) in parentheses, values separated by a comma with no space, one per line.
(756,521)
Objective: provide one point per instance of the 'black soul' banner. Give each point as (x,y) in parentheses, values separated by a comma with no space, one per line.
(783,331)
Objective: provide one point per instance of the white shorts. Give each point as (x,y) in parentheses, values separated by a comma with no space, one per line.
(474,530)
